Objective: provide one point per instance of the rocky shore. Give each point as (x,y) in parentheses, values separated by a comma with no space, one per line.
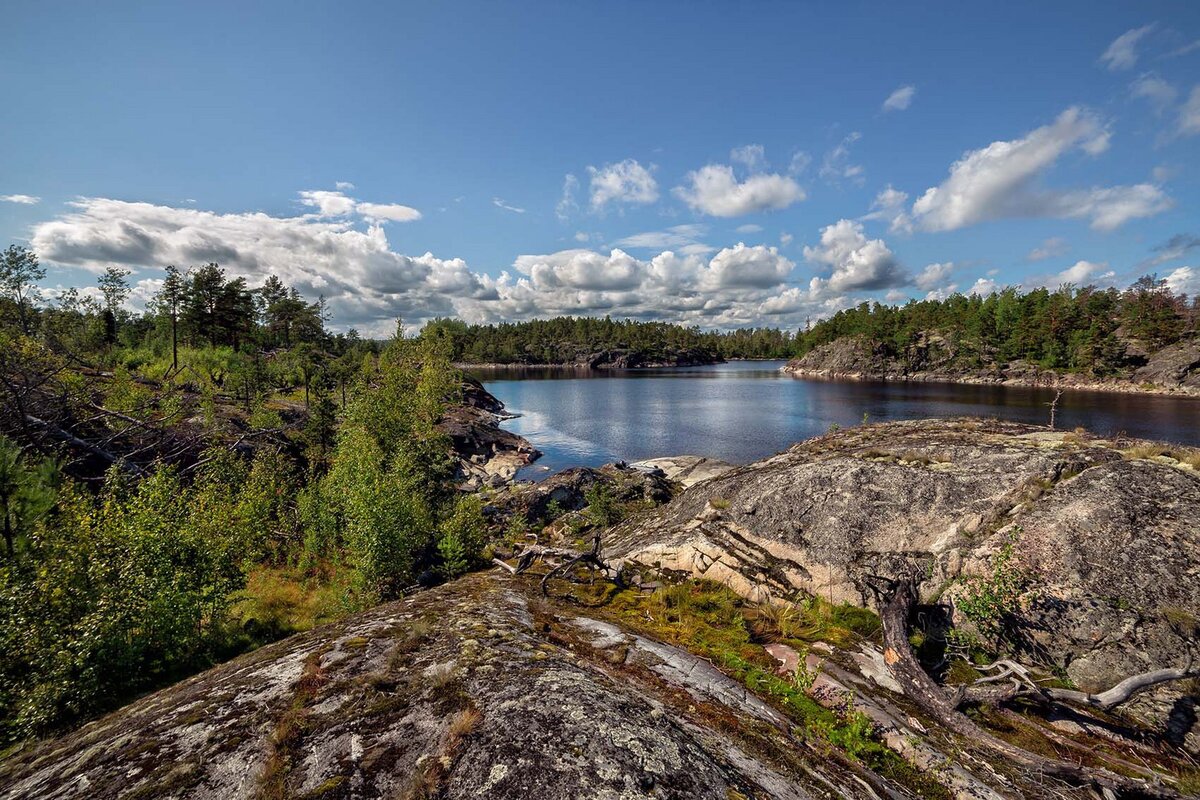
(1174,370)
(487,454)
(739,657)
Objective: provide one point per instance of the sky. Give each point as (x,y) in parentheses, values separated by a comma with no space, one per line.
(714,164)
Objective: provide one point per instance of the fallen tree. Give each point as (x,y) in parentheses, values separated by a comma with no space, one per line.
(897,598)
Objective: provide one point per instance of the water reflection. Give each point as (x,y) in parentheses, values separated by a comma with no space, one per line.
(743,411)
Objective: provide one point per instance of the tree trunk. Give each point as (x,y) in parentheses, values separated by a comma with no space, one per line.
(942,706)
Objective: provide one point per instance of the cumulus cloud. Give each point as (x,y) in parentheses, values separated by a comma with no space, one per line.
(1081,273)
(900,99)
(387,211)
(714,190)
(623,182)
(20,199)
(983,287)
(343,186)
(999,181)
(367,284)
(858,263)
(1184,280)
(1122,53)
(338,204)
(1053,247)
(836,165)
(934,275)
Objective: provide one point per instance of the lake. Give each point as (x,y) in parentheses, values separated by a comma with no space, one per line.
(746,410)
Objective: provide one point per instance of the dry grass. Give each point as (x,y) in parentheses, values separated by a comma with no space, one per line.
(1184,455)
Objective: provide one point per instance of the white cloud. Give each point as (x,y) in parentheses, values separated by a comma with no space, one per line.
(889,206)
(752,156)
(582,236)
(858,263)
(998,181)
(714,190)
(799,163)
(387,211)
(934,275)
(328,204)
(836,165)
(755,267)
(1160,94)
(368,285)
(498,202)
(1122,53)
(1189,114)
(786,238)
(623,182)
(749,227)
(343,186)
(685,238)
(900,99)
(337,204)
(566,204)
(1184,280)
(1081,273)
(21,199)
(1053,247)
(983,287)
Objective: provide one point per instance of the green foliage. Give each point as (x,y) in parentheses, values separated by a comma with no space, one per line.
(602,509)
(461,536)
(568,339)
(989,601)
(1068,329)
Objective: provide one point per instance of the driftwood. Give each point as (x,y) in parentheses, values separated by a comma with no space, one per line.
(897,600)
(1022,685)
(562,561)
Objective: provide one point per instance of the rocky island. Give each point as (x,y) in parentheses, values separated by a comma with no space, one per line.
(741,641)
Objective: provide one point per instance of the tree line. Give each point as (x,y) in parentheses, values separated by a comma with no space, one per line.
(565,340)
(1075,329)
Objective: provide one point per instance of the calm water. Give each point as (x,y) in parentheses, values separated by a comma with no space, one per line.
(744,411)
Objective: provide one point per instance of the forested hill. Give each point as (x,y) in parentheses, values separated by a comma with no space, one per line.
(593,342)
(1104,334)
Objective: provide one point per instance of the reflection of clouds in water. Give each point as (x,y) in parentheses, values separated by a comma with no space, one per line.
(751,412)
(554,443)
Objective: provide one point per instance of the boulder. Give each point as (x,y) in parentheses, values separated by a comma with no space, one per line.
(1112,546)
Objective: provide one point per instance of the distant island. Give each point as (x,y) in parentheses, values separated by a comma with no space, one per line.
(605,343)
(1142,339)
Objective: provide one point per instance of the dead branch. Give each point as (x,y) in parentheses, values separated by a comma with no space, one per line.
(898,598)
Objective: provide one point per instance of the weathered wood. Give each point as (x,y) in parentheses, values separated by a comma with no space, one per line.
(942,706)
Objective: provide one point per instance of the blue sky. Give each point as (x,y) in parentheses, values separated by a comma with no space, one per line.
(712,163)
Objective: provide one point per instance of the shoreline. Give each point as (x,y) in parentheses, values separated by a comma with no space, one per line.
(1064,382)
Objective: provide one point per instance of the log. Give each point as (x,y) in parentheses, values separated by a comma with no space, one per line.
(942,706)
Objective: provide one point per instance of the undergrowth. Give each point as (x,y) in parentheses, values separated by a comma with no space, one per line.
(708,619)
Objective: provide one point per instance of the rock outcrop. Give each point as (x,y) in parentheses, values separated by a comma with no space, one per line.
(487,454)
(685,470)
(1111,546)
(481,688)
(934,358)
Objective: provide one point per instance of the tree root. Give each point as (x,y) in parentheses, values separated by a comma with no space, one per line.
(898,598)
